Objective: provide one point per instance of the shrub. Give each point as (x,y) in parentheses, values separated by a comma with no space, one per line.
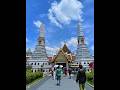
(30,76)
(90,76)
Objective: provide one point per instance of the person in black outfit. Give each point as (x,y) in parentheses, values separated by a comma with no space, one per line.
(70,71)
(81,77)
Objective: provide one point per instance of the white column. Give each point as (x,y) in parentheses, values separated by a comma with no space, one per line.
(33,70)
(67,68)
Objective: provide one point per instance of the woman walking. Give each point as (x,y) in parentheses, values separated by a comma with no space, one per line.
(58,74)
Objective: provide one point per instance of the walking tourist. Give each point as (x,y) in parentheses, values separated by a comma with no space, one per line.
(70,71)
(54,74)
(81,77)
(58,75)
(65,71)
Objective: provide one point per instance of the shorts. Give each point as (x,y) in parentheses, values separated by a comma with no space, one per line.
(58,77)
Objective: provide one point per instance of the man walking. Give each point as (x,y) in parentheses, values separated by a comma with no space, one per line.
(81,77)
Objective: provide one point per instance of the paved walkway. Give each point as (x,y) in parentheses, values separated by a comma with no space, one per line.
(66,84)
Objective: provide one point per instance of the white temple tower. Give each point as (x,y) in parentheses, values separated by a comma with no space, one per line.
(82,55)
(39,60)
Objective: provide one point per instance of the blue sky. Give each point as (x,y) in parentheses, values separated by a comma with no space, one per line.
(60,19)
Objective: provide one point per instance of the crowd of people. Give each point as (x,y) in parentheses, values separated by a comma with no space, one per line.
(58,72)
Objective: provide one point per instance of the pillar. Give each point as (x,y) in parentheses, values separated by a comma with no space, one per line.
(67,67)
(33,70)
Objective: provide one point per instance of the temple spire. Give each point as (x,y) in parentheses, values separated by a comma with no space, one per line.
(41,38)
(80,33)
(42,30)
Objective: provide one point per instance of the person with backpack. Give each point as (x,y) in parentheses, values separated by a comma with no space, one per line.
(81,77)
(58,75)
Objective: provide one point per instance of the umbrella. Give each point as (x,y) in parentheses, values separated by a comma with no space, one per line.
(61,66)
(55,65)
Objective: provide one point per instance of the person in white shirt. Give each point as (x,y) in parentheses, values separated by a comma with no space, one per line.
(54,74)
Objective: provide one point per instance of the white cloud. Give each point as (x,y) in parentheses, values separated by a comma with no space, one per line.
(65,11)
(51,50)
(52,19)
(71,42)
(37,23)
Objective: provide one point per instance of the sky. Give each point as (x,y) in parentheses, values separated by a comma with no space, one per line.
(60,18)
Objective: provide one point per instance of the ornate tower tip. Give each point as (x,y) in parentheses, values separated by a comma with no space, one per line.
(42,30)
(64,42)
(41,25)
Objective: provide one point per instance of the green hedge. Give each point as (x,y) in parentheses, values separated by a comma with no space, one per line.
(30,76)
(90,76)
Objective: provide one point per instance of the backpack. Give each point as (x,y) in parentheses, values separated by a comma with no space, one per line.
(58,72)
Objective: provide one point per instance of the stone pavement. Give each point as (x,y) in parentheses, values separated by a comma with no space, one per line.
(66,84)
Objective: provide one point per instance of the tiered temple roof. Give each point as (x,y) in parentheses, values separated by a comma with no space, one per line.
(64,54)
